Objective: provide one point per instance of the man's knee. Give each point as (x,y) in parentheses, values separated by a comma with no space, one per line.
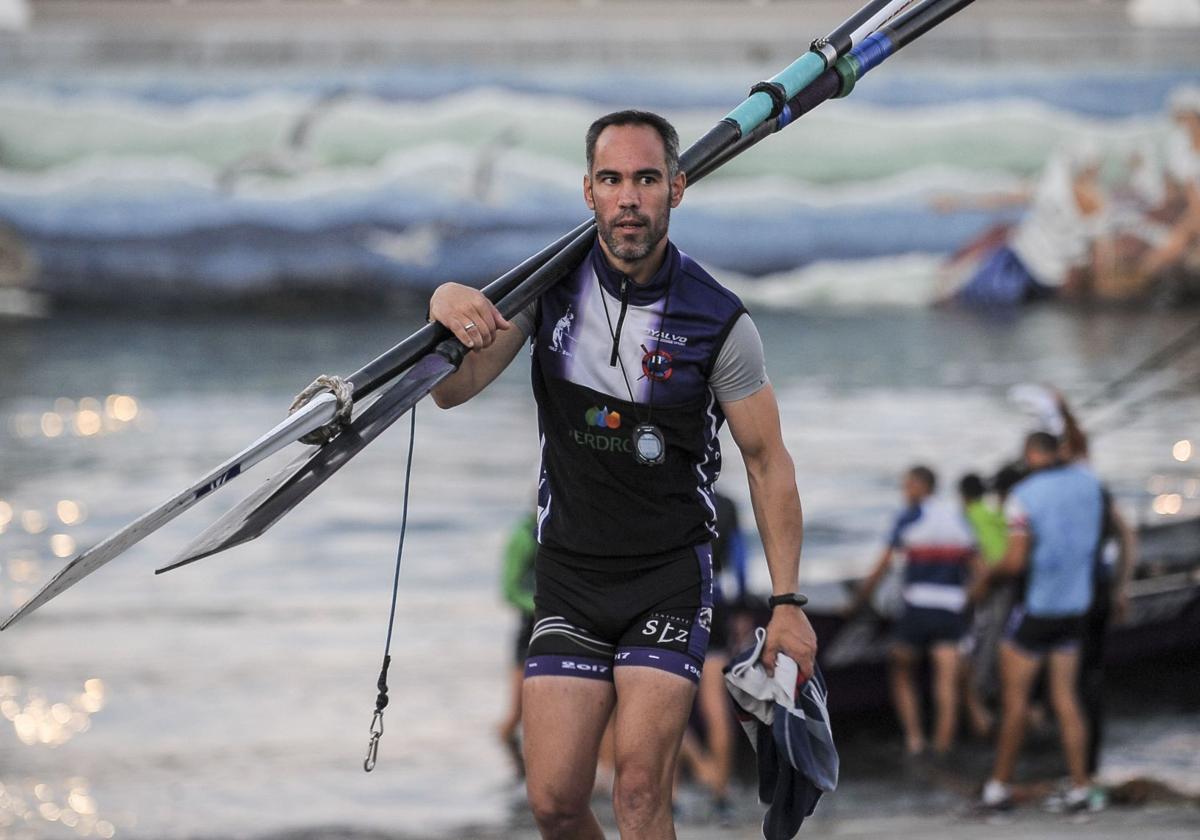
(558,811)
(638,794)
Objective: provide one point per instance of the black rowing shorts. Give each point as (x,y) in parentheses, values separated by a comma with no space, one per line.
(1037,636)
(594,614)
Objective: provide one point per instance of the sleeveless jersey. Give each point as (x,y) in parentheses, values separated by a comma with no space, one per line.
(594,497)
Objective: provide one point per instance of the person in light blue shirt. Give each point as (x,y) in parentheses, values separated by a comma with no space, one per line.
(1055,518)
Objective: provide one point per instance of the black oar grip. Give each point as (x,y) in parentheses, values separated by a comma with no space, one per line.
(718,138)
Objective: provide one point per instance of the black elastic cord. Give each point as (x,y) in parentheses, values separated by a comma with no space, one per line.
(776,92)
(381,700)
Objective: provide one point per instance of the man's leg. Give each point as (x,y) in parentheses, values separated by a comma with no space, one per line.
(946,659)
(653,707)
(903,661)
(564,720)
(1064,696)
(1018,670)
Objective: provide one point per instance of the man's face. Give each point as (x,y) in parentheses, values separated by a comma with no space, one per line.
(1036,459)
(631,191)
(913,488)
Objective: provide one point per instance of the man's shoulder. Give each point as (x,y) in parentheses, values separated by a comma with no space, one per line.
(908,516)
(699,278)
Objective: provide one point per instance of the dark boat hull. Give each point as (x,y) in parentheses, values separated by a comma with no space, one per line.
(1163,621)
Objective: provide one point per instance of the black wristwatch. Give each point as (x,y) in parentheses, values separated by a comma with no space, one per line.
(795,599)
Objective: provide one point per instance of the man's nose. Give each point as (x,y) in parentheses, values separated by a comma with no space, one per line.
(628,196)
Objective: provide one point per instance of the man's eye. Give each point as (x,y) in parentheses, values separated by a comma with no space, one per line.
(648,180)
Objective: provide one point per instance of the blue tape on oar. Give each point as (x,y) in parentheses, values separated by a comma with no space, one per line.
(759,107)
(872,52)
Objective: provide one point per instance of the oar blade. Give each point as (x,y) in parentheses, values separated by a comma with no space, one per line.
(316,414)
(234,526)
(258,512)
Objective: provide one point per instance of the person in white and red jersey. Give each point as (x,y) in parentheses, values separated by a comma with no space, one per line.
(939,550)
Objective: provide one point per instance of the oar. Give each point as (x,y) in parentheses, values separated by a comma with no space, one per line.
(839,80)
(251,517)
(525,282)
(314,415)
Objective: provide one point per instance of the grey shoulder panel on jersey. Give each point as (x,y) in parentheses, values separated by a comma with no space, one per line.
(740,370)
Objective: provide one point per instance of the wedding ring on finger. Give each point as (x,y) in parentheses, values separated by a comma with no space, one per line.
(470,326)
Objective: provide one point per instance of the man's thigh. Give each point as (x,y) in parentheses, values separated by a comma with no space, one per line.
(653,707)
(1063,671)
(1018,669)
(564,719)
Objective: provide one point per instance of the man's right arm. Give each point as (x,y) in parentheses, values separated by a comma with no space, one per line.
(475,321)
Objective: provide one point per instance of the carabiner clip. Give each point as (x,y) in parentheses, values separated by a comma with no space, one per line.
(373,745)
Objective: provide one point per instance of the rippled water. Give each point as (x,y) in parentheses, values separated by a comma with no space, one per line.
(233,697)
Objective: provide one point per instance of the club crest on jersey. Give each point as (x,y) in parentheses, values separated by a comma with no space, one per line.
(656,364)
(562,332)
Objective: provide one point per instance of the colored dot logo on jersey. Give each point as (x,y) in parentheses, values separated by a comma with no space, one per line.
(602,418)
(656,364)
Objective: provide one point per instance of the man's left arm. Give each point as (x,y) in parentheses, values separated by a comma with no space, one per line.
(754,424)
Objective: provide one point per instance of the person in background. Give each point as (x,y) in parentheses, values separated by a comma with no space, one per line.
(1115,559)
(991,535)
(1054,519)
(1050,251)
(1181,242)
(1113,566)
(516,583)
(939,552)
(711,760)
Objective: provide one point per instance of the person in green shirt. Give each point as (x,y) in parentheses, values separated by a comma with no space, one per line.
(991,531)
(991,534)
(516,584)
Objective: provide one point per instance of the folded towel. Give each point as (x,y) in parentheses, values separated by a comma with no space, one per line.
(788,725)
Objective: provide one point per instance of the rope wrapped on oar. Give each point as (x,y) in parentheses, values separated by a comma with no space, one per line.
(343,392)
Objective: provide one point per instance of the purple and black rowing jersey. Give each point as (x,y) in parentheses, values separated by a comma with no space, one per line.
(598,337)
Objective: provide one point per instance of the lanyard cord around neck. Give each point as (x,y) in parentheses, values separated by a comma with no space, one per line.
(616,337)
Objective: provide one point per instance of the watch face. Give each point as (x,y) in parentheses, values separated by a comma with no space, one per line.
(648,445)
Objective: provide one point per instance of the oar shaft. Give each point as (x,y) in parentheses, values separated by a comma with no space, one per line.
(839,81)
(394,361)
(865,21)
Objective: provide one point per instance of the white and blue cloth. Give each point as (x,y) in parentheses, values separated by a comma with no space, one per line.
(788,724)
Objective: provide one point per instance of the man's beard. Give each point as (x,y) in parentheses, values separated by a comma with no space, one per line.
(622,247)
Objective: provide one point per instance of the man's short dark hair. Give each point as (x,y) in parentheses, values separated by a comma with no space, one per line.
(970,486)
(666,131)
(924,475)
(1042,442)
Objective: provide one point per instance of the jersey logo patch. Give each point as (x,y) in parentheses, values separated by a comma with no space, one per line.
(562,332)
(656,364)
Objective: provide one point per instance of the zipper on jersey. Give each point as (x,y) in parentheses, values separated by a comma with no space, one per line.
(612,360)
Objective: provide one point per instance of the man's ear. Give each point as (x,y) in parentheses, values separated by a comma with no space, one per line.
(587,192)
(678,185)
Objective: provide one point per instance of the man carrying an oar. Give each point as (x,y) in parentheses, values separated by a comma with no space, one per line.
(639,356)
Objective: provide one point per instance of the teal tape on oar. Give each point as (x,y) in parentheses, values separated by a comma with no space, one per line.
(759,107)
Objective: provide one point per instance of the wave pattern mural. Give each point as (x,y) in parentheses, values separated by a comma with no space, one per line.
(171,190)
